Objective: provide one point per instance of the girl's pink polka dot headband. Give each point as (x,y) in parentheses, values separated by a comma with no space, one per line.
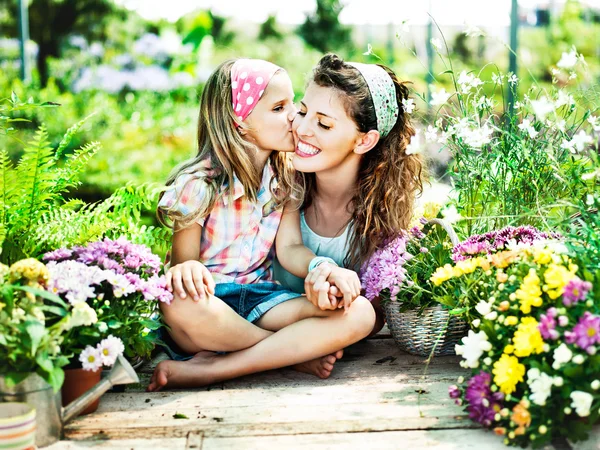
(249,79)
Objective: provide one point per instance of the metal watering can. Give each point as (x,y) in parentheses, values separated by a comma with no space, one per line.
(50,416)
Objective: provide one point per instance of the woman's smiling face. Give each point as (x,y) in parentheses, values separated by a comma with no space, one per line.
(323,132)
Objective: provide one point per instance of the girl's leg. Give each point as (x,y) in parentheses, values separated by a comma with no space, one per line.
(301,341)
(209,325)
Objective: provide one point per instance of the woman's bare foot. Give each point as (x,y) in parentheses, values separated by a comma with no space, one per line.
(321,367)
(193,373)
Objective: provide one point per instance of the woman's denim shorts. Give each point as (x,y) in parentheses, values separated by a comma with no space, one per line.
(251,301)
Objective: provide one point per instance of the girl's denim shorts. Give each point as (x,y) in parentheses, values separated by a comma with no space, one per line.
(251,301)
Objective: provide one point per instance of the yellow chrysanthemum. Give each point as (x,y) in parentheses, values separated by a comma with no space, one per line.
(511,321)
(542,256)
(442,274)
(507,373)
(30,269)
(529,293)
(509,349)
(466,266)
(503,259)
(557,277)
(431,210)
(527,338)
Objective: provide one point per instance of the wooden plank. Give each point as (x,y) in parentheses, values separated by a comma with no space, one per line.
(194,441)
(438,439)
(121,444)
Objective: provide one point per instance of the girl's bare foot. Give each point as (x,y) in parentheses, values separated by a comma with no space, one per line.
(321,367)
(194,372)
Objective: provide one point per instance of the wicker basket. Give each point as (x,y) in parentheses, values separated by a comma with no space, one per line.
(419,334)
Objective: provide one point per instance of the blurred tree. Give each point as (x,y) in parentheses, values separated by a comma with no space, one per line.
(269,29)
(461,48)
(323,30)
(219,32)
(50,21)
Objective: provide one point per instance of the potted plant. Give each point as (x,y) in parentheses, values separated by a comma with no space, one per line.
(398,274)
(533,354)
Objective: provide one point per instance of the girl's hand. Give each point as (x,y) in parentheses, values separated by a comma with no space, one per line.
(190,276)
(347,283)
(318,290)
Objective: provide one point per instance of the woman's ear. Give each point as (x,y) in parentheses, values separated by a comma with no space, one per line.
(367,142)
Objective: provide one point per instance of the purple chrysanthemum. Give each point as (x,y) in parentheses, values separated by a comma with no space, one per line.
(576,290)
(483,404)
(586,333)
(547,325)
(493,241)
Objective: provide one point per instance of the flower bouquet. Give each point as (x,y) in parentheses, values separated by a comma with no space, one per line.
(533,359)
(399,275)
(113,288)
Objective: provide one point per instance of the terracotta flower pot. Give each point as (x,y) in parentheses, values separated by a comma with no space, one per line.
(78,382)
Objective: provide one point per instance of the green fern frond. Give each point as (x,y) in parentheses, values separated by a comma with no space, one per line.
(68,175)
(66,140)
(7,184)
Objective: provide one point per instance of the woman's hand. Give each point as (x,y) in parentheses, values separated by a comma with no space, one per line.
(319,291)
(191,276)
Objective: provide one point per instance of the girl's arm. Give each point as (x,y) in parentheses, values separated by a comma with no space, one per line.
(187,273)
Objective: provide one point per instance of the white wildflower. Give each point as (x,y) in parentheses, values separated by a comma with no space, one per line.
(513,79)
(581,139)
(408,104)
(414,147)
(526,126)
(497,78)
(594,122)
(542,107)
(436,43)
(439,98)
(431,134)
(473,31)
(564,99)
(568,60)
(451,214)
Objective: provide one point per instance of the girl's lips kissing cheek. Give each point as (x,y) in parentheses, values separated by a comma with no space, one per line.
(305,150)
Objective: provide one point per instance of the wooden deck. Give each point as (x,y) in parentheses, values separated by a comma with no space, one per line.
(377,398)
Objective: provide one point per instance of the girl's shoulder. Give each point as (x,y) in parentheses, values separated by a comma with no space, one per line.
(188,192)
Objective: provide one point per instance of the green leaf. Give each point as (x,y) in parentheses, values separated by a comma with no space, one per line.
(114,324)
(56,378)
(151,324)
(61,312)
(44,362)
(42,293)
(36,331)
(180,416)
(14,378)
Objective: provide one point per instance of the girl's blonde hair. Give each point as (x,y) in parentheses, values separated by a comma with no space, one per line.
(388,178)
(222,149)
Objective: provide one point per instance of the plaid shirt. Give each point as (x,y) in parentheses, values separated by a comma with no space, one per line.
(236,243)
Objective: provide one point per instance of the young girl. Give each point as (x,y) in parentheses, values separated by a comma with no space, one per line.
(226,207)
(351,135)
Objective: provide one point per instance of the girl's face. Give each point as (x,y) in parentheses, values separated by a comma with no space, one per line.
(270,122)
(325,135)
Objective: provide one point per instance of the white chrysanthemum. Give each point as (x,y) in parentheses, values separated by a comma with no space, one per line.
(484,307)
(474,344)
(90,358)
(562,355)
(110,348)
(582,401)
(540,385)
(81,314)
